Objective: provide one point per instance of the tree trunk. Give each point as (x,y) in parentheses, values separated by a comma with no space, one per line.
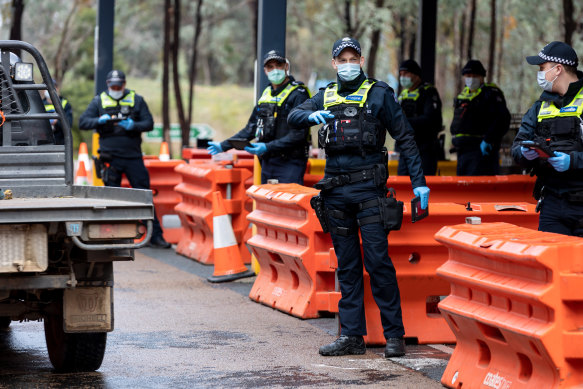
(501,40)
(570,23)
(166,73)
(16,29)
(401,35)
(185,127)
(472,26)
(254,9)
(192,75)
(59,70)
(492,55)
(374,45)
(347,21)
(461,47)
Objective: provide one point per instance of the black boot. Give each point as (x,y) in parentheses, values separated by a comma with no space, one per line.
(344,345)
(395,347)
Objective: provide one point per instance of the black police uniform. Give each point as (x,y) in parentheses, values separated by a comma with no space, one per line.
(348,200)
(559,129)
(479,116)
(287,146)
(58,128)
(122,146)
(422,107)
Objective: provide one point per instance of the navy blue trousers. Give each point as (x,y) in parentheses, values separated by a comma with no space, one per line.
(286,171)
(376,261)
(561,216)
(137,175)
(473,163)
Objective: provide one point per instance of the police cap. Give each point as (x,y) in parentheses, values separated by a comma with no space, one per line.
(410,66)
(474,67)
(273,55)
(115,78)
(556,51)
(345,43)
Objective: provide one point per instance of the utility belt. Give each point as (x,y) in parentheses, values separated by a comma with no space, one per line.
(103,166)
(378,173)
(390,214)
(572,197)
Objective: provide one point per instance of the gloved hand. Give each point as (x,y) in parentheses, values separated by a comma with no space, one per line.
(319,117)
(485,147)
(423,193)
(560,161)
(103,118)
(256,148)
(529,154)
(214,148)
(128,124)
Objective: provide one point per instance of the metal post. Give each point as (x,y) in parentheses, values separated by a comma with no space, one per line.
(271,21)
(426,32)
(103,57)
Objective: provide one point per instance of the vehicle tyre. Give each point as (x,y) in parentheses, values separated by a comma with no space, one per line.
(71,352)
(4,322)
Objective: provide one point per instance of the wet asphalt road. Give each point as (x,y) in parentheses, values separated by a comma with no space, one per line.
(174,329)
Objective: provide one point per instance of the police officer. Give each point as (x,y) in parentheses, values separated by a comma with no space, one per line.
(55,124)
(282,150)
(422,106)
(555,123)
(480,120)
(120,116)
(357,111)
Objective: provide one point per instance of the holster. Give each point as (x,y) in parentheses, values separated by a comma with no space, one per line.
(103,165)
(390,212)
(317,203)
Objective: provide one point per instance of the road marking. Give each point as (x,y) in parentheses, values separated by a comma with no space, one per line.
(442,347)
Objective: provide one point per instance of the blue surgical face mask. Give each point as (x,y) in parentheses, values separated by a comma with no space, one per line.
(276,76)
(115,94)
(541,78)
(348,71)
(406,82)
(472,82)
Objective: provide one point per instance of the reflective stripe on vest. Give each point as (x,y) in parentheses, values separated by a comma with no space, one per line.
(469,95)
(107,101)
(548,110)
(267,98)
(331,96)
(406,94)
(51,107)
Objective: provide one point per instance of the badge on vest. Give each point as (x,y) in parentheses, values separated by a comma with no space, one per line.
(350,111)
(354,98)
(568,109)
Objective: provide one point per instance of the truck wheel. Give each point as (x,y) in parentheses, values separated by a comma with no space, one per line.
(73,351)
(4,322)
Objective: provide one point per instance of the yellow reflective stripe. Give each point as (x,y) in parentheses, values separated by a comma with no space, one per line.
(267,98)
(331,96)
(108,102)
(49,107)
(469,95)
(548,110)
(472,135)
(409,95)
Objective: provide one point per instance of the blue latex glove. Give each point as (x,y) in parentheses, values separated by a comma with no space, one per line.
(214,148)
(560,161)
(529,154)
(319,117)
(423,193)
(103,118)
(485,147)
(128,124)
(256,148)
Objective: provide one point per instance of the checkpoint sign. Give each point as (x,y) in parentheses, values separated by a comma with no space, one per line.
(197,131)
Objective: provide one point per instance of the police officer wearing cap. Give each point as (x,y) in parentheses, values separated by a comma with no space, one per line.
(555,124)
(281,148)
(422,106)
(356,112)
(55,123)
(480,120)
(120,116)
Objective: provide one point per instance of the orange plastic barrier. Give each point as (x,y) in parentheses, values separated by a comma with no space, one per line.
(193,153)
(515,307)
(293,253)
(199,180)
(416,256)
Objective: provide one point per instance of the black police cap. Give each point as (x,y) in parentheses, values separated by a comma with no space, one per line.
(555,51)
(115,77)
(273,55)
(411,66)
(345,43)
(474,67)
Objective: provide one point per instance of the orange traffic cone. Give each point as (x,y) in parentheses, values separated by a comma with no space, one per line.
(228,263)
(84,156)
(81,176)
(164,153)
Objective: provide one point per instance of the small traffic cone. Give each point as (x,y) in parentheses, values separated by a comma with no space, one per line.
(164,153)
(81,176)
(228,263)
(84,156)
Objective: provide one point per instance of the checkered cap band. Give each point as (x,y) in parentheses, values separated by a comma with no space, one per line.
(550,58)
(343,46)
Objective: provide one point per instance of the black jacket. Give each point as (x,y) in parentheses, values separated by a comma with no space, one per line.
(560,182)
(58,128)
(296,137)
(424,114)
(114,139)
(384,106)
